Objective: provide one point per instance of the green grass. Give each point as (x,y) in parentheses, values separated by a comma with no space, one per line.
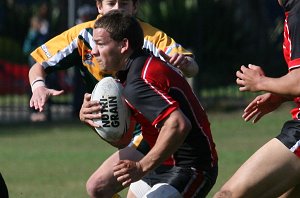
(54,160)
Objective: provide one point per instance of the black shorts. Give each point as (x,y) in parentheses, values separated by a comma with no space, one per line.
(188,181)
(290,136)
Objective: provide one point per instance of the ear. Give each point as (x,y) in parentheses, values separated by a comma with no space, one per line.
(124,45)
(135,7)
(99,7)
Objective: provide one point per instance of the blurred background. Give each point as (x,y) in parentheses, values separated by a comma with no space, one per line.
(223,34)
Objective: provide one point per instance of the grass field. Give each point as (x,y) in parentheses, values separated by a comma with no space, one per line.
(54,160)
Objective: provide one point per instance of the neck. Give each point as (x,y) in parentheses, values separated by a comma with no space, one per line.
(126,59)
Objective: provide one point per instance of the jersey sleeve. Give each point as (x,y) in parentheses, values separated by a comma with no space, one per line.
(61,52)
(292,30)
(155,39)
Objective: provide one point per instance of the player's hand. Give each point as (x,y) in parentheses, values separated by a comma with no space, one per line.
(127,171)
(127,137)
(177,60)
(249,78)
(40,96)
(185,63)
(262,105)
(90,110)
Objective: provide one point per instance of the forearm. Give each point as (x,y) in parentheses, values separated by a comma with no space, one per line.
(192,68)
(287,86)
(36,71)
(171,136)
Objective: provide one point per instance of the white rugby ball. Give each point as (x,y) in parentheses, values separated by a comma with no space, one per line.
(115,114)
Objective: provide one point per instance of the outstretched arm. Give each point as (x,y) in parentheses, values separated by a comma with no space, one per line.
(40,93)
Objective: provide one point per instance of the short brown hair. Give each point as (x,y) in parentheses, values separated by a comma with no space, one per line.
(134,1)
(122,25)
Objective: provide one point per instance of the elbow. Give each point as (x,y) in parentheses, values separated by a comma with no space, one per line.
(186,127)
(296,92)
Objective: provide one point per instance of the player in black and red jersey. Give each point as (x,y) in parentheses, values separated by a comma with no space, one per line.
(182,161)
(274,170)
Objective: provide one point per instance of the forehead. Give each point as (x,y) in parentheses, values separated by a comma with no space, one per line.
(100,34)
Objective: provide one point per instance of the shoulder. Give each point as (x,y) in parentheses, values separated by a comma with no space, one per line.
(78,29)
(149,29)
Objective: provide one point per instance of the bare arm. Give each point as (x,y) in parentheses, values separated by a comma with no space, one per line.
(171,136)
(40,93)
(36,71)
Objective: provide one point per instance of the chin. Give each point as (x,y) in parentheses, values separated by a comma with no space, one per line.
(107,71)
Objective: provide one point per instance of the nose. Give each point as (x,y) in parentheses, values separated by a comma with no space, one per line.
(116,6)
(95,51)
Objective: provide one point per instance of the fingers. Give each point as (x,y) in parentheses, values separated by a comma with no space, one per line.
(252,105)
(257,118)
(89,111)
(40,96)
(239,75)
(87,96)
(177,60)
(127,171)
(251,110)
(249,115)
(164,55)
(38,101)
(180,61)
(121,173)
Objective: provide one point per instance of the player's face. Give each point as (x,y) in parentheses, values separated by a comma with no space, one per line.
(108,5)
(107,51)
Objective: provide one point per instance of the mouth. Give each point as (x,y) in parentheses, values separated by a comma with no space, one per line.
(98,60)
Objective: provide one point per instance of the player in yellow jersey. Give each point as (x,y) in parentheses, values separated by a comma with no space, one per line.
(73,48)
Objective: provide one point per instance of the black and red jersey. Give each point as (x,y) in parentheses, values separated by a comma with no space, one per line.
(154,90)
(291,43)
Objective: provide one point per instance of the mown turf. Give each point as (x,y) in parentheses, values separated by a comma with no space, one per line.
(54,160)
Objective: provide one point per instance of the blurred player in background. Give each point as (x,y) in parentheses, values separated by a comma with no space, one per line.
(274,170)
(73,48)
(37,34)
(182,160)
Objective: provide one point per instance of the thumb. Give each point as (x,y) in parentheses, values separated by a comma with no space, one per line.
(164,55)
(54,92)
(254,67)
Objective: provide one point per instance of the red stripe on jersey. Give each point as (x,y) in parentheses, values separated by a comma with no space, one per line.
(169,100)
(294,63)
(297,152)
(148,62)
(286,41)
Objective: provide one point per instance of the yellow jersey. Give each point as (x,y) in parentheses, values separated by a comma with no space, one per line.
(73,47)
